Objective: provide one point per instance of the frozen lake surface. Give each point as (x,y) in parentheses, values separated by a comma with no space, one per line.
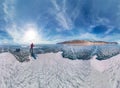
(51,70)
(68,51)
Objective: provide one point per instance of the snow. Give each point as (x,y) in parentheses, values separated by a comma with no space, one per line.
(51,70)
(86,52)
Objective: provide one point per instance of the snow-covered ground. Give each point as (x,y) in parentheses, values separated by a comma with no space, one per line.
(51,70)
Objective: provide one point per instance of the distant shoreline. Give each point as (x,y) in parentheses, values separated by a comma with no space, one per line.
(86,43)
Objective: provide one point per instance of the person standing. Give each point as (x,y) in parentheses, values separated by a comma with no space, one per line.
(31,51)
(31,48)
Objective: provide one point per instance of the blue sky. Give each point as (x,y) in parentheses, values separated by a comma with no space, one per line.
(59,20)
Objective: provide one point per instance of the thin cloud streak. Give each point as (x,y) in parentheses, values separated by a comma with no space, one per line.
(61,16)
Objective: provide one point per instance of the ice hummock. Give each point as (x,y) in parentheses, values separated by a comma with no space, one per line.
(68,51)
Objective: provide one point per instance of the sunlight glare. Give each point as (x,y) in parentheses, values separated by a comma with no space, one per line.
(31,36)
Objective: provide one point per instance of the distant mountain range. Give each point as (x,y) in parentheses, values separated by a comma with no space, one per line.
(85,42)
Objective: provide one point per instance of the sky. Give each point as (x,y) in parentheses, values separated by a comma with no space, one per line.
(52,21)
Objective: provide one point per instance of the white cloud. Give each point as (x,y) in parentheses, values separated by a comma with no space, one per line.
(8,7)
(64,20)
(19,33)
(61,16)
(64,6)
(55,5)
(4,41)
(76,11)
(110,29)
(15,33)
(94,37)
(89,36)
(25,34)
(102,21)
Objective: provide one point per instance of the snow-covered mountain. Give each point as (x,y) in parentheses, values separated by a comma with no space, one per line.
(51,70)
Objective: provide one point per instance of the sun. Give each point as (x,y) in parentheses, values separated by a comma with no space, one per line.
(31,36)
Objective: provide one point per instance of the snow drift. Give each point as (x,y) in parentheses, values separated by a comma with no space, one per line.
(51,70)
